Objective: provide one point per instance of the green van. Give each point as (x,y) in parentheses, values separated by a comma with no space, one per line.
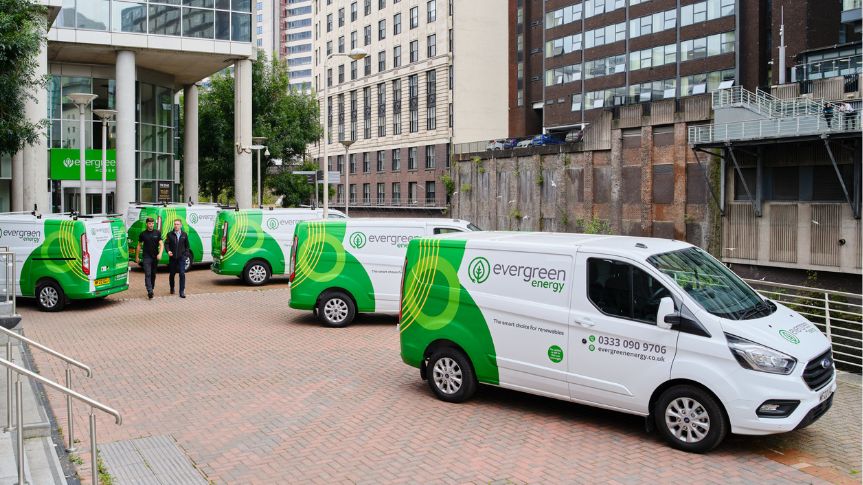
(198,222)
(60,257)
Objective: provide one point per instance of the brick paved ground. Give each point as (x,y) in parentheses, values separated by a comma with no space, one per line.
(256,392)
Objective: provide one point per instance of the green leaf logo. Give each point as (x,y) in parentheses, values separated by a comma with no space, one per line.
(357,240)
(193,218)
(272,224)
(479,270)
(789,336)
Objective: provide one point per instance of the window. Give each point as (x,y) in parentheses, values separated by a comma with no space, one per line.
(450,77)
(330,118)
(367,112)
(329,77)
(367,35)
(563,75)
(353,40)
(340,163)
(431,100)
(353,193)
(341,116)
(413,103)
(415,17)
(367,65)
(366,163)
(622,290)
(382,61)
(382,4)
(430,158)
(412,192)
(430,192)
(431,10)
(431,42)
(604,67)
(397,56)
(353,11)
(367,7)
(382,110)
(397,24)
(329,22)
(341,17)
(382,29)
(353,115)
(450,40)
(382,193)
(412,158)
(341,44)
(396,161)
(367,193)
(380,165)
(397,107)
(397,192)
(352,163)
(353,70)
(563,16)
(329,47)
(414,51)
(341,73)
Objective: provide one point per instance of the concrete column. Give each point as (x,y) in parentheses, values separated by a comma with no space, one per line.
(125,100)
(243,133)
(34,165)
(17,201)
(190,143)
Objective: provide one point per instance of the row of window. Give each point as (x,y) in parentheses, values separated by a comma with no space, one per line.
(663,89)
(649,24)
(414,17)
(587,9)
(380,158)
(413,56)
(395,193)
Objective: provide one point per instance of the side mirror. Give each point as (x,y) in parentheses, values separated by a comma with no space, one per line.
(666,309)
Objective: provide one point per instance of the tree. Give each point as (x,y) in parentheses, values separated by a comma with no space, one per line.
(288,119)
(294,189)
(22,31)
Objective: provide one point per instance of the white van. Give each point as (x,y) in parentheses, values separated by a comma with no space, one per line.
(199,221)
(651,327)
(340,268)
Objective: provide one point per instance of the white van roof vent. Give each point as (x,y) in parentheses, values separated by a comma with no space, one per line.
(641,245)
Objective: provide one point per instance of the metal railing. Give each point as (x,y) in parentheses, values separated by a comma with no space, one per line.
(19,415)
(431,203)
(766,104)
(840,66)
(839,315)
(774,128)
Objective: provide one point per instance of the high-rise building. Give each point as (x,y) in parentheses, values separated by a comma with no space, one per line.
(267,26)
(569,60)
(295,41)
(435,72)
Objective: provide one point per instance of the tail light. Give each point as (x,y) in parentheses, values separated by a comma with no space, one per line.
(85,255)
(224,238)
(293,269)
(402,289)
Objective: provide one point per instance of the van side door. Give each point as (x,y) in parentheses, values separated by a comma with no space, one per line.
(619,355)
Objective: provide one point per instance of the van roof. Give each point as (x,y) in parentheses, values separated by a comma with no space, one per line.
(283,210)
(29,217)
(620,245)
(402,220)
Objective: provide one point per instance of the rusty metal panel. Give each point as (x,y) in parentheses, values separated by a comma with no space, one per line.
(597,136)
(824,235)
(831,89)
(663,184)
(740,234)
(662,112)
(697,108)
(783,233)
(786,91)
(630,116)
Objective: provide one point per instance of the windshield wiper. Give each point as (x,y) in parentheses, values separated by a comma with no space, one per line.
(755,310)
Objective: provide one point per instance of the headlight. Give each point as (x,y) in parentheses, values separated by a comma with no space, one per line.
(758,357)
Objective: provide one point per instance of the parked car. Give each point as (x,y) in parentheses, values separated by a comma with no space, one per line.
(510,143)
(545,139)
(495,145)
(524,143)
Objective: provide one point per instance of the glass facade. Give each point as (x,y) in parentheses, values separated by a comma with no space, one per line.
(229,20)
(156,124)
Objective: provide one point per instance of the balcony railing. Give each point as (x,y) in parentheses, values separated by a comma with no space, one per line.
(842,66)
(774,128)
(400,203)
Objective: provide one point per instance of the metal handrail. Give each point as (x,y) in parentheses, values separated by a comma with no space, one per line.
(773,128)
(53,352)
(19,415)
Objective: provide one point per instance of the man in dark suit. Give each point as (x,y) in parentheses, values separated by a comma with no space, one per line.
(177,245)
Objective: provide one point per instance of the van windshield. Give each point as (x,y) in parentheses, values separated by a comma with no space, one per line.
(716,288)
(473,227)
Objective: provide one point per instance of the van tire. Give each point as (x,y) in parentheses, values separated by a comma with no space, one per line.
(336,309)
(256,273)
(701,405)
(50,297)
(450,375)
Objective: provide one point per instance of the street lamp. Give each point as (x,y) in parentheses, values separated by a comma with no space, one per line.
(82,100)
(355,54)
(258,144)
(347,144)
(105,115)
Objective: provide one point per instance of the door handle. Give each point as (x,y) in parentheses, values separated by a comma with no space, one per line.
(586,323)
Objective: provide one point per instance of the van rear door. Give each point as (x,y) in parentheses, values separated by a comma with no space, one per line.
(107,250)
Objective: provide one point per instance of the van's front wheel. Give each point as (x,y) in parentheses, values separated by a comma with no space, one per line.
(50,297)
(451,376)
(336,309)
(256,273)
(690,419)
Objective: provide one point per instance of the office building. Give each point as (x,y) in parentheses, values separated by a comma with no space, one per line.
(295,41)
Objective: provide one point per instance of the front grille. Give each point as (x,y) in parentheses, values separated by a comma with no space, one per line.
(815,375)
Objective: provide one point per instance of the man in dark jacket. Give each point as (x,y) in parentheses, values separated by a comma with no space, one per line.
(177,245)
(148,253)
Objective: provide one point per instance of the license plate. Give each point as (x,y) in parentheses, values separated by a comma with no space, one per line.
(103,281)
(825,395)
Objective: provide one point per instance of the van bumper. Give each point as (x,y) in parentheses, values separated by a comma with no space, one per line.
(813,405)
(300,305)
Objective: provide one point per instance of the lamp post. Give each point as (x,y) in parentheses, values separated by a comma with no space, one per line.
(355,54)
(258,144)
(347,144)
(82,100)
(106,115)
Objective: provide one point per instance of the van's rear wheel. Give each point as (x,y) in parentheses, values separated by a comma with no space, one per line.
(50,297)
(690,419)
(256,273)
(451,376)
(336,309)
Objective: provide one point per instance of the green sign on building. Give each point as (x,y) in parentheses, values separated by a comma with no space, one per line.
(65,164)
